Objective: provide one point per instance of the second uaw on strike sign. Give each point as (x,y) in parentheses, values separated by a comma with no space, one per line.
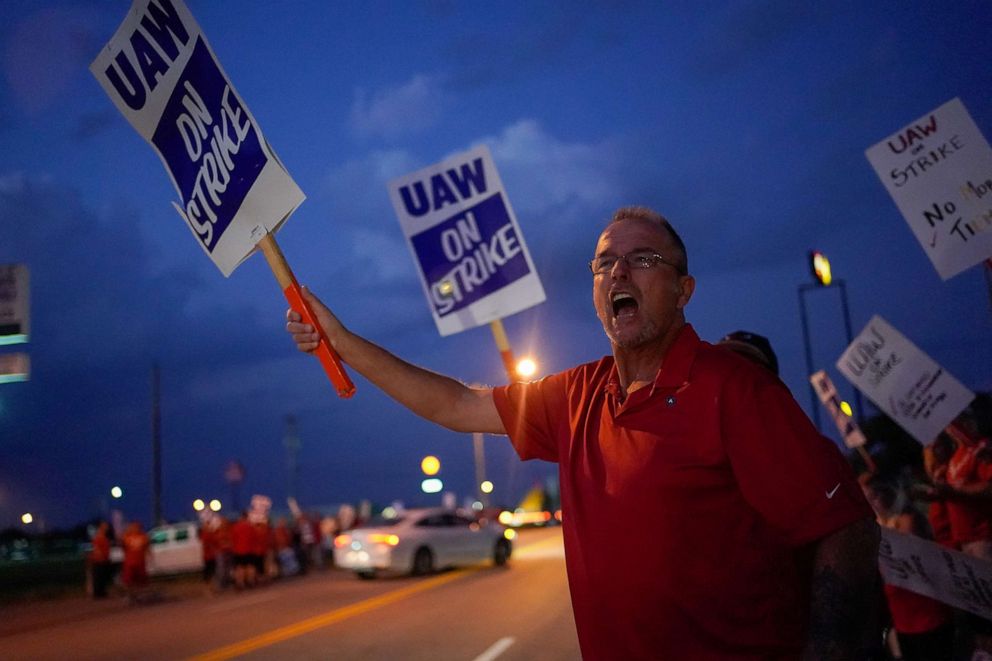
(465,239)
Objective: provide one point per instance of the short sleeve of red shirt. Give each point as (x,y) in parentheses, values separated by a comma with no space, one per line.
(794,477)
(532,413)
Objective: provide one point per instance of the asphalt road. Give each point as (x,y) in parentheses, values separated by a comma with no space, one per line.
(477,614)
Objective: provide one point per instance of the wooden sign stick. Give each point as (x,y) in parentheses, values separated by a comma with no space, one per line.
(291,289)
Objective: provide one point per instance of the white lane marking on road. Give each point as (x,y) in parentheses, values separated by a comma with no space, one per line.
(239,602)
(496,649)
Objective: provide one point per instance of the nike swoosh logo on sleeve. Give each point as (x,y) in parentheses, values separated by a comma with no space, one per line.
(830,494)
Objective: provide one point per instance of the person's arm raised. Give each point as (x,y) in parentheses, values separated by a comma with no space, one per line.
(433,396)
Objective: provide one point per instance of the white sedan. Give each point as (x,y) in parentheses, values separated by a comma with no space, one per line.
(418,541)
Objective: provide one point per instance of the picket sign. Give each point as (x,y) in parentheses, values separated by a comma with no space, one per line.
(926,568)
(235,193)
(470,254)
(938,171)
(905,383)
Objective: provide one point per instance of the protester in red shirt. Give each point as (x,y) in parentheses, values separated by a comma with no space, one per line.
(691,482)
(99,561)
(242,553)
(134,572)
(968,487)
(924,626)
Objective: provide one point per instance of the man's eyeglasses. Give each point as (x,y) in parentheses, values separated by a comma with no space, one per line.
(642,259)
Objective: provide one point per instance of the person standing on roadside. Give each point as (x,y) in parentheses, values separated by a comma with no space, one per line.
(135,572)
(99,561)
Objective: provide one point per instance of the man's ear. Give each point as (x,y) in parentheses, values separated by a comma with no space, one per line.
(686,286)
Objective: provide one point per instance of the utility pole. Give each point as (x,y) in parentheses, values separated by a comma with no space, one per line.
(292,443)
(156,448)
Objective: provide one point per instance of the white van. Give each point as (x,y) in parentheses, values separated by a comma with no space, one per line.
(175,549)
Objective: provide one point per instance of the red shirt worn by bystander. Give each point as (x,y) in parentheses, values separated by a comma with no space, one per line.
(971,520)
(242,538)
(683,506)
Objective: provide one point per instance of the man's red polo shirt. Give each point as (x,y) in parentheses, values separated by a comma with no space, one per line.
(683,506)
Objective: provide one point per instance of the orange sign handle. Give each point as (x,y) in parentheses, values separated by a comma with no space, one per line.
(291,289)
(505,352)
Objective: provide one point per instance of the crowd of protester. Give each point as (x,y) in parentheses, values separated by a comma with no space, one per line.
(254,550)
(949,501)
(245,553)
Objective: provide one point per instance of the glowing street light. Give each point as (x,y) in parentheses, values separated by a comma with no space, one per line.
(430,465)
(820,266)
(215,505)
(116,492)
(431,485)
(486,487)
(198,505)
(26,518)
(526,367)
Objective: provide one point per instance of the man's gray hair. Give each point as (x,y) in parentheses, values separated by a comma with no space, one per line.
(652,216)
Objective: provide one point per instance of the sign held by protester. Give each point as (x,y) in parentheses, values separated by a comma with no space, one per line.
(926,568)
(14,304)
(848,428)
(466,242)
(938,171)
(903,381)
(162,75)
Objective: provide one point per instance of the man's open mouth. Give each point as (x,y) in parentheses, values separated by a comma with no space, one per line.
(623,302)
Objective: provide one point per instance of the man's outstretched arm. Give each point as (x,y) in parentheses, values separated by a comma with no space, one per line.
(845,571)
(433,396)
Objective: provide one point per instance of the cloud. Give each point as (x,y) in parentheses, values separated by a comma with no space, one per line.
(47,52)
(541,171)
(394,112)
(89,124)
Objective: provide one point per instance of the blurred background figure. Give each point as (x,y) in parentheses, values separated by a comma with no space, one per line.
(210,543)
(922,628)
(752,346)
(135,572)
(98,561)
(242,553)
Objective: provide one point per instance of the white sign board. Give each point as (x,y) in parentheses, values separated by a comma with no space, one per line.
(14,367)
(473,263)
(926,568)
(848,428)
(14,304)
(939,172)
(903,381)
(161,73)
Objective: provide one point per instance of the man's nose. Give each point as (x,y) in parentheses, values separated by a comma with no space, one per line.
(621,270)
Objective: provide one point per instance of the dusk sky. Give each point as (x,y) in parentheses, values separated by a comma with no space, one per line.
(744,123)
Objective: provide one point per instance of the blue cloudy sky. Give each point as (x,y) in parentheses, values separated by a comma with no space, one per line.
(745,123)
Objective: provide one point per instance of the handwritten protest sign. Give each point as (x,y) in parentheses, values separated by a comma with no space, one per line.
(161,73)
(926,568)
(938,171)
(903,381)
(473,263)
(848,428)
(14,304)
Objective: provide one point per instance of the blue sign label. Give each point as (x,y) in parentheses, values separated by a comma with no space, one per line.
(209,145)
(470,255)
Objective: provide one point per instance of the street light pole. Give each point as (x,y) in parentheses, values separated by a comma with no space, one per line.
(156,448)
